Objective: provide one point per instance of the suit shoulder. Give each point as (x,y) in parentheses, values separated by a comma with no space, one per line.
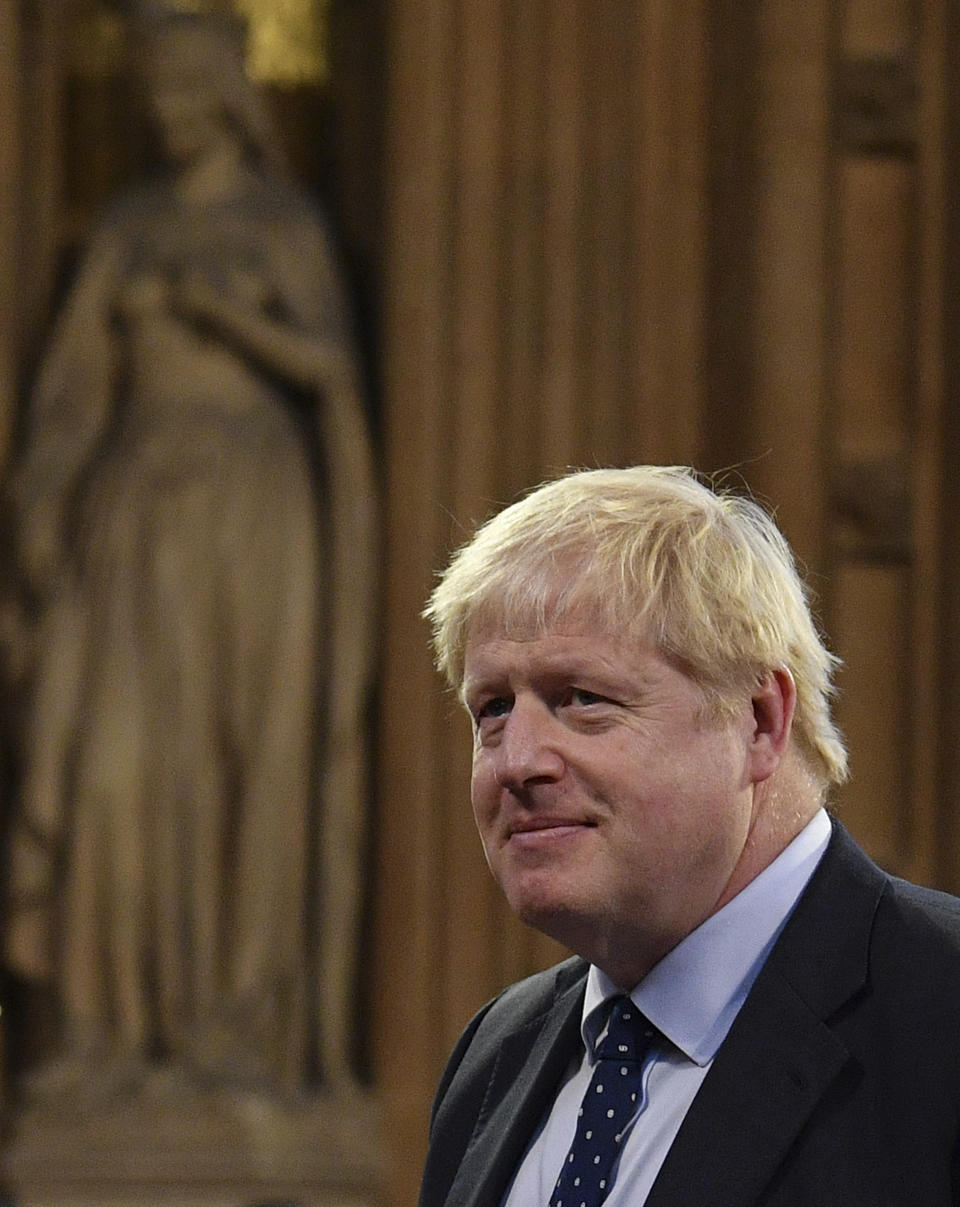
(922,919)
(520,1003)
(526,999)
(516,1007)
(914,964)
(515,1022)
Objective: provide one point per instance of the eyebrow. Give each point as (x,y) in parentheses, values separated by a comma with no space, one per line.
(604,674)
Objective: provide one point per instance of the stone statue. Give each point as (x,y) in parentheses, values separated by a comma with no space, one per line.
(193,517)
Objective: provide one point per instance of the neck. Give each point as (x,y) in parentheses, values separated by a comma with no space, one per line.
(783,805)
(214,177)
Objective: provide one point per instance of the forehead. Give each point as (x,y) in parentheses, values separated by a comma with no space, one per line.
(570,599)
(572,642)
(542,618)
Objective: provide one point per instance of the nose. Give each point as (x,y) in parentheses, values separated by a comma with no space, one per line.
(529,750)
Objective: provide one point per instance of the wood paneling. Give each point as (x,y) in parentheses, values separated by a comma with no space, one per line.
(869,453)
(790,288)
(612,232)
(671,233)
(411,894)
(667,178)
(943,443)
(45,31)
(10,176)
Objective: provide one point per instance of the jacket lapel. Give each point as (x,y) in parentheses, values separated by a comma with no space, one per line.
(529,1065)
(781,1054)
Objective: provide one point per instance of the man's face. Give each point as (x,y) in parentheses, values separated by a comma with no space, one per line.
(614,814)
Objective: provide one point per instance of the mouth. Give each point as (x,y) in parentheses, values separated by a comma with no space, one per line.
(535,832)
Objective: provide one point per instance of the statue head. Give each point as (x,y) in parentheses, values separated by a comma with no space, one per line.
(191,62)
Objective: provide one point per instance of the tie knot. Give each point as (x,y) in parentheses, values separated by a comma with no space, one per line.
(629,1034)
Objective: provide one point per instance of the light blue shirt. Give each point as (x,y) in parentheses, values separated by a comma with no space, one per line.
(693,995)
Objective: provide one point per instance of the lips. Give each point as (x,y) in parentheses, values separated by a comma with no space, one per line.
(534,831)
(531,824)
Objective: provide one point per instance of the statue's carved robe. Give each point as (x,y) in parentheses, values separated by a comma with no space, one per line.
(184,863)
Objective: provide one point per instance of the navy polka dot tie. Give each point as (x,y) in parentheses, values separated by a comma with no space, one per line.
(608,1107)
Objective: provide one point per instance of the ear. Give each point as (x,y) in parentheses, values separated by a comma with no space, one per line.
(774,700)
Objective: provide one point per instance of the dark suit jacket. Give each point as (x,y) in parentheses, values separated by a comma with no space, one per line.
(837,1086)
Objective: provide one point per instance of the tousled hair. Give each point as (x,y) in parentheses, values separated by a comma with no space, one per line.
(650,553)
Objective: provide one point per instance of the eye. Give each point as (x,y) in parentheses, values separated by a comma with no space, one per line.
(583,698)
(496,706)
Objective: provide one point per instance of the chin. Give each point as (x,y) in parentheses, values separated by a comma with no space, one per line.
(551,913)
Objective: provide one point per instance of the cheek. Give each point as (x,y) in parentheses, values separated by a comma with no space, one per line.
(484,803)
(483,794)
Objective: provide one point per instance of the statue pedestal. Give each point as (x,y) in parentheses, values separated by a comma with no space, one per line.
(204,1150)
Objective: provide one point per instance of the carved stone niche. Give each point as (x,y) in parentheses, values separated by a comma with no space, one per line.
(876,106)
(209,1150)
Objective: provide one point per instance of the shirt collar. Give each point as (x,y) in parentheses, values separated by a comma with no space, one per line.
(695,992)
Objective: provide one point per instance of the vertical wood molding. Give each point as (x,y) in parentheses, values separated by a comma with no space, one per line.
(733,156)
(879,544)
(45,33)
(564,137)
(941,467)
(10,177)
(788,390)
(474,408)
(407,1017)
(668,188)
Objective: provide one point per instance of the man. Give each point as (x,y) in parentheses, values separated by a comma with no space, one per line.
(653,748)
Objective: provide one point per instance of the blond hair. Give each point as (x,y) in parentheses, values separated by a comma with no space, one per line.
(650,553)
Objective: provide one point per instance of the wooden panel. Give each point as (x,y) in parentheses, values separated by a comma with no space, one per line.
(790,288)
(877,27)
(607,235)
(868,624)
(870,451)
(736,75)
(668,189)
(44,41)
(934,848)
(527,407)
(563,142)
(947,457)
(869,618)
(589,262)
(9,218)
(475,405)
(874,326)
(408,1015)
